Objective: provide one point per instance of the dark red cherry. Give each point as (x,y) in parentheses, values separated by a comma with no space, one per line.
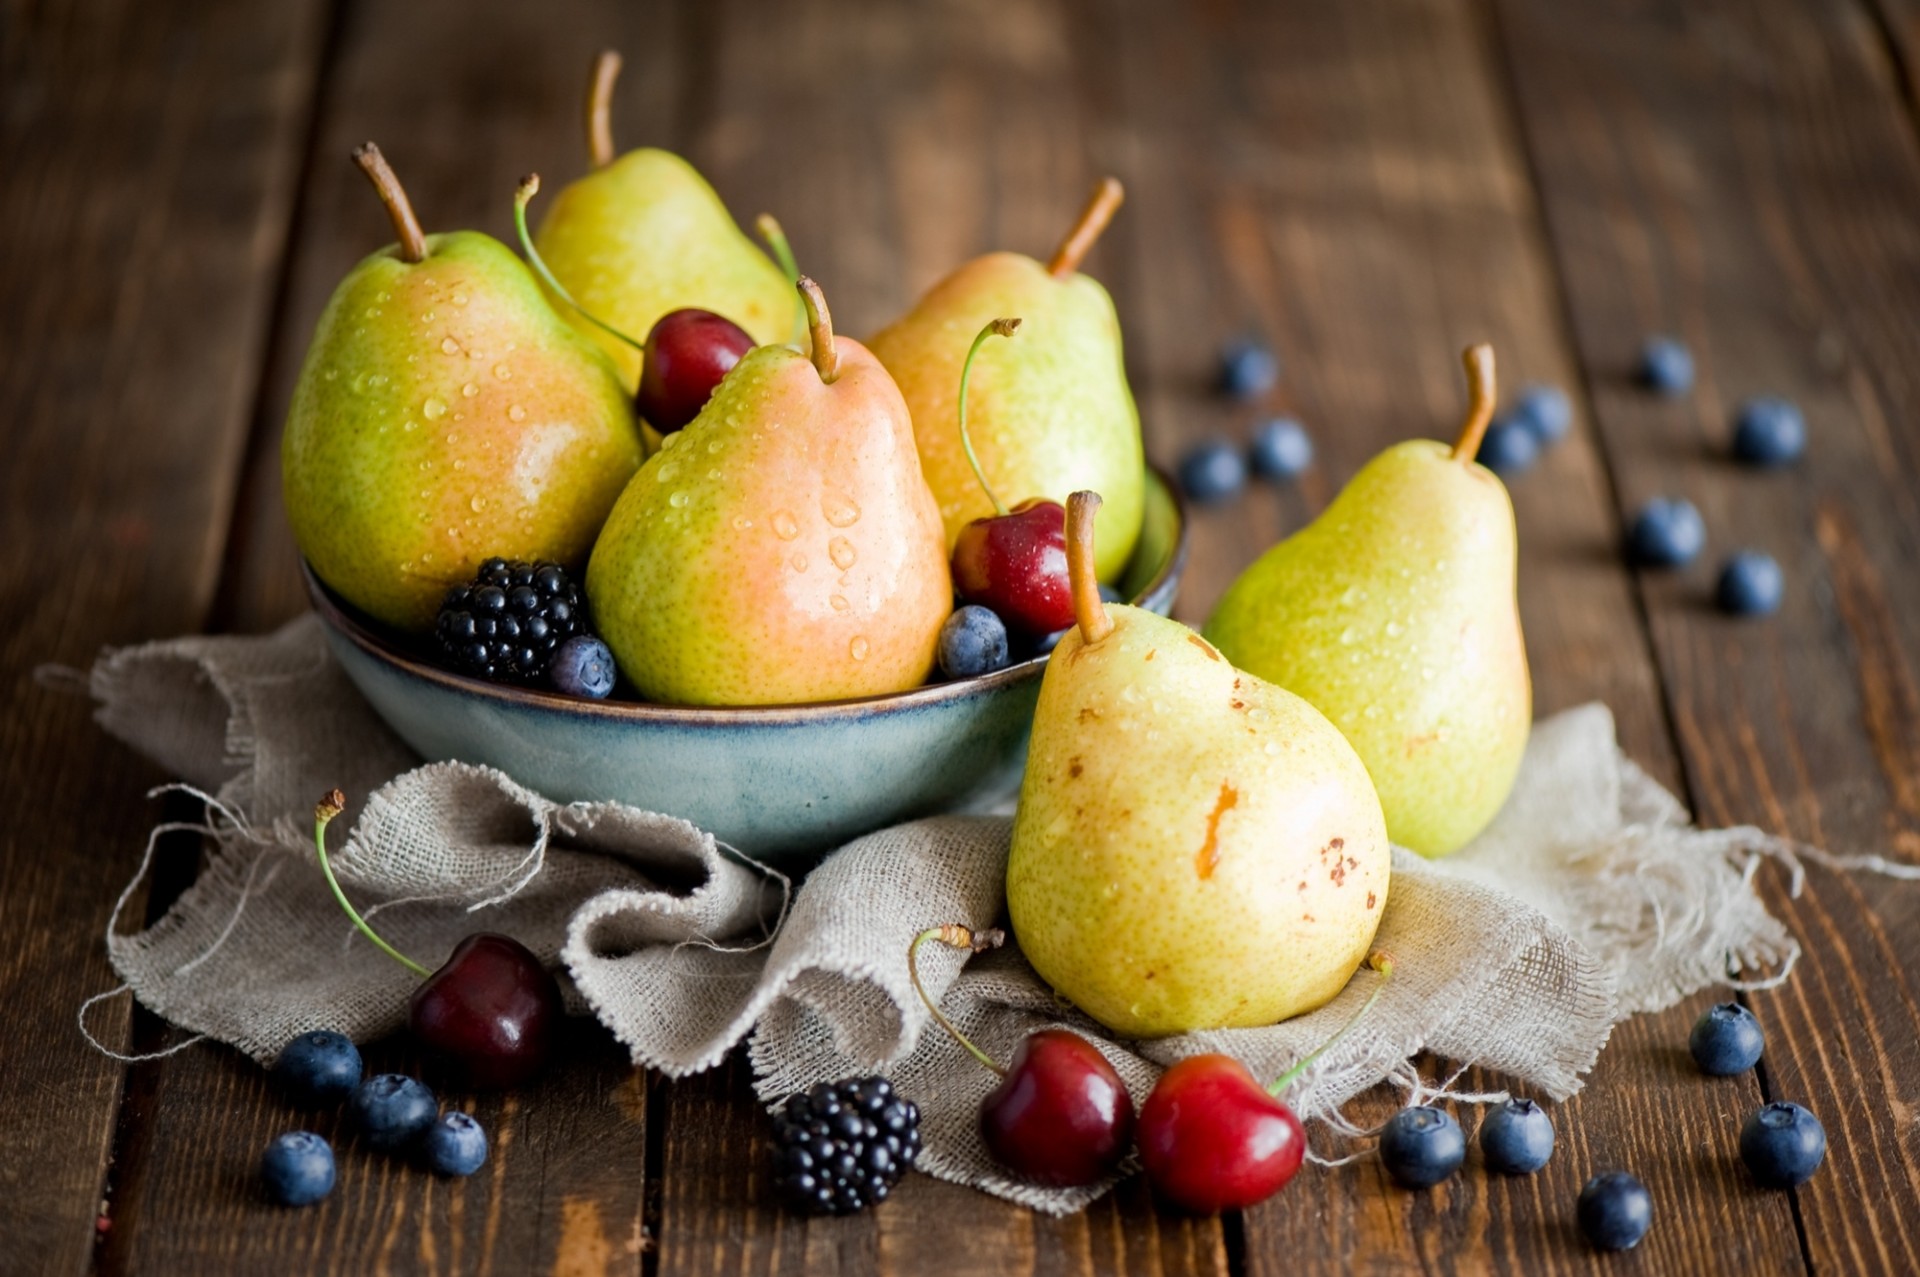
(1061,1116)
(1213,1139)
(687,354)
(492,1009)
(1016,564)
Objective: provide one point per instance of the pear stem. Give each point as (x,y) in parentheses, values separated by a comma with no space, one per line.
(1089,609)
(406,227)
(606,70)
(1001,328)
(820,327)
(1482,394)
(1380,960)
(323,813)
(528,188)
(1101,206)
(960,938)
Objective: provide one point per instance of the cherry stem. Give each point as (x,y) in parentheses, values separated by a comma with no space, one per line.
(606,70)
(1101,206)
(329,807)
(826,359)
(1482,392)
(528,188)
(406,227)
(776,237)
(1001,328)
(958,937)
(1089,609)
(1380,960)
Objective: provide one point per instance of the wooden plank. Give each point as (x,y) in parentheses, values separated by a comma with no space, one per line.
(1345,179)
(1746,176)
(149,171)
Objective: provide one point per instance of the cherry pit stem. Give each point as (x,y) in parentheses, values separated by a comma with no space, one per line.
(1089,610)
(606,70)
(406,227)
(776,239)
(323,813)
(958,937)
(522,196)
(826,358)
(1380,960)
(994,328)
(1101,206)
(1482,393)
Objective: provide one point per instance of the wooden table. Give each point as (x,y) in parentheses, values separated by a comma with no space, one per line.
(1370,184)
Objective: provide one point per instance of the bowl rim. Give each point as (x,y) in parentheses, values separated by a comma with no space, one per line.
(341,620)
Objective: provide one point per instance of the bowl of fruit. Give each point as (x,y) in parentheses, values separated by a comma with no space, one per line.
(753,574)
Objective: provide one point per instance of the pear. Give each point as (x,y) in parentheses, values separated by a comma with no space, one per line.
(1051,413)
(1194,848)
(644,234)
(782,547)
(1394,612)
(445,414)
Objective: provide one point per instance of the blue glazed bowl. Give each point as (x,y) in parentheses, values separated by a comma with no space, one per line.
(780,783)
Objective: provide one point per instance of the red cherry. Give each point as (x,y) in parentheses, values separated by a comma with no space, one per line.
(1016,564)
(492,1008)
(688,352)
(1213,1139)
(1061,1116)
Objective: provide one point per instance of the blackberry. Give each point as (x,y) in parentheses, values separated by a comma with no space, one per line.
(842,1146)
(505,623)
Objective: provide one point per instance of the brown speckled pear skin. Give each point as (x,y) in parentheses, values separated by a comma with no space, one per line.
(1049,411)
(782,548)
(445,415)
(1194,848)
(647,235)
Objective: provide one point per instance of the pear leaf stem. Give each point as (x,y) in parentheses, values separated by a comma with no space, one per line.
(323,813)
(826,357)
(406,227)
(1101,206)
(1380,960)
(529,187)
(606,70)
(1482,394)
(1089,610)
(994,328)
(776,237)
(958,937)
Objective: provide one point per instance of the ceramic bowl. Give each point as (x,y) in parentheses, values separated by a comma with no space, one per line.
(780,783)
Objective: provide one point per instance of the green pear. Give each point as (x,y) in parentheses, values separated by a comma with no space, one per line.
(783,546)
(1051,413)
(645,234)
(1194,847)
(1394,612)
(445,414)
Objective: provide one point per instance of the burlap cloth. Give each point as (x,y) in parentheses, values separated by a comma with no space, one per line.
(1589,899)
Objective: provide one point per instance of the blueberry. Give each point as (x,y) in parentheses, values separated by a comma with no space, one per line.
(1047,642)
(1782,1145)
(393,1110)
(582,666)
(1212,472)
(1726,1040)
(972,642)
(1667,533)
(455,1145)
(1769,432)
(1247,369)
(318,1068)
(1508,447)
(1282,449)
(1546,412)
(297,1169)
(1750,585)
(1421,1146)
(1666,365)
(1111,594)
(1615,1210)
(1516,1138)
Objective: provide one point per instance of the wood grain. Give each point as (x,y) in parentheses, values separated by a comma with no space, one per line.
(148,172)
(1745,176)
